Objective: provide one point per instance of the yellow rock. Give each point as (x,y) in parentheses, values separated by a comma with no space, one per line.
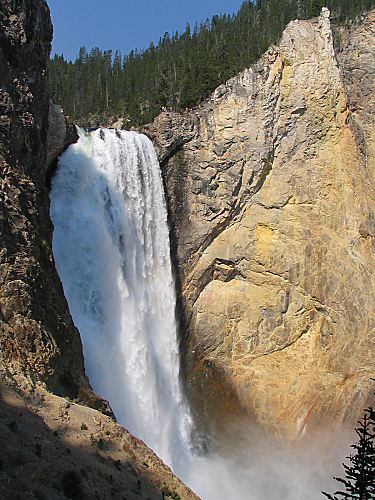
(275,230)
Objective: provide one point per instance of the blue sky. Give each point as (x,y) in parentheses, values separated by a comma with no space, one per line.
(125,24)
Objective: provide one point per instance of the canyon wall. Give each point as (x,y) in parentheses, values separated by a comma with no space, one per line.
(38,338)
(271,194)
(52,447)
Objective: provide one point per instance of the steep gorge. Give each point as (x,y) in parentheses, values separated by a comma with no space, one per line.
(271,195)
(53,445)
(271,198)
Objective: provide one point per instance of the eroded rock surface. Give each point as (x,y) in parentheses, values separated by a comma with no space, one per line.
(171,130)
(272,210)
(38,338)
(61,132)
(355,53)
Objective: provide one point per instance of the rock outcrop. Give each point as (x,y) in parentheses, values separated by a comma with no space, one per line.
(272,212)
(52,447)
(170,131)
(355,54)
(38,338)
(61,133)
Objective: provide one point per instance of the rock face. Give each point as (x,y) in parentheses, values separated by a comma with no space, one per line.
(171,131)
(355,53)
(37,336)
(61,132)
(272,210)
(52,448)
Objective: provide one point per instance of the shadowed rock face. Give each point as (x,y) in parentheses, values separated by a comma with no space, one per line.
(355,54)
(272,210)
(61,133)
(37,335)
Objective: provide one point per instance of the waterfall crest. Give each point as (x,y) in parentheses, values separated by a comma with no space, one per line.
(114,264)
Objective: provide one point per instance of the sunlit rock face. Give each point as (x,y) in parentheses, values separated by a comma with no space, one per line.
(272,208)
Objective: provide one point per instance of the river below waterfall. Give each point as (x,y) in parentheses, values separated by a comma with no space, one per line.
(111,247)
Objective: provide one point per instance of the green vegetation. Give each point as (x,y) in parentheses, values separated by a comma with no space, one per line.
(183,68)
(359,479)
(169,493)
(71,485)
(38,450)
(13,426)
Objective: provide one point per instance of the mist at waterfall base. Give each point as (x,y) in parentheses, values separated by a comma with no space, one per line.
(111,247)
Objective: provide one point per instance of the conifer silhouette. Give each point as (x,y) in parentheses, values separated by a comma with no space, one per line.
(359,478)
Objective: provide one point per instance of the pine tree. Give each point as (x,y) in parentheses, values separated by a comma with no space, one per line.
(359,479)
(181,69)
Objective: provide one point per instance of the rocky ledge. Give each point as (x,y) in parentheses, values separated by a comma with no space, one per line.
(54,448)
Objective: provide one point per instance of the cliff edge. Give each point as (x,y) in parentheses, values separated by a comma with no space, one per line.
(38,338)
(271,194)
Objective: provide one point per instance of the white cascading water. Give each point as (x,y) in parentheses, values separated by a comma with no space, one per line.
(111,247)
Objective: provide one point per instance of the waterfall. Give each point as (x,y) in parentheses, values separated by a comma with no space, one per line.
(111,246)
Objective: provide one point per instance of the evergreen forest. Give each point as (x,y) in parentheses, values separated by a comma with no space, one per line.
(183,68)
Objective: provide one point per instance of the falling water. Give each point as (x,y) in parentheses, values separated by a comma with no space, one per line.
(111,247)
